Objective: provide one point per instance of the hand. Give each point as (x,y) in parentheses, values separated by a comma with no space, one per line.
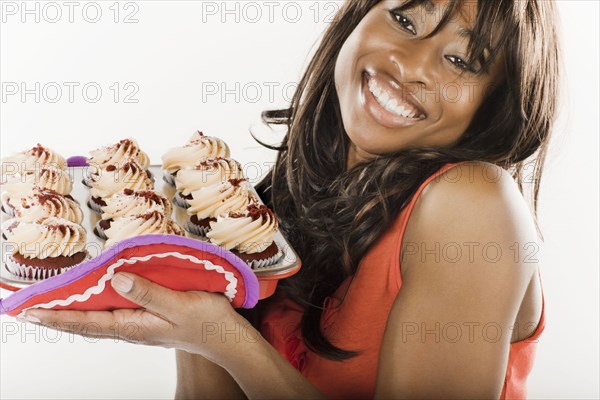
(197,322)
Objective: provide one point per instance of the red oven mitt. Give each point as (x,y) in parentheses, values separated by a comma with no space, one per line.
(176,262)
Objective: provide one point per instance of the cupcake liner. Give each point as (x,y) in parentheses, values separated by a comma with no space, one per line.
(94,206)
(195,229)
(8,209)
(179,201)
(87,182)
(35,273)
(169,178)
(258,264)
(99,231)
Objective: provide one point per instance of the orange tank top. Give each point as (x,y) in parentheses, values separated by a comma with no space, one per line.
(358,323)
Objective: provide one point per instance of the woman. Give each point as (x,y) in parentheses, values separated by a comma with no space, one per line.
(420,109)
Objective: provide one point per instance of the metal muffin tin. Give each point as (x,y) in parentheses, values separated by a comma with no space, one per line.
(286,266)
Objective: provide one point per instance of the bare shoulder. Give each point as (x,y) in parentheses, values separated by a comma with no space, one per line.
(477,188)
(475,202)
(469,232)
(461,267)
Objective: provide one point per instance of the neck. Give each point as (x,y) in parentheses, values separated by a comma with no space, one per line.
(356,155)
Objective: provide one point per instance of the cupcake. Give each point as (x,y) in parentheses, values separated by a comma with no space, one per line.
(113,179)
(42,203)
(207,203)
(18,186)
(130,202)
(30,160)
(116,155)
(249,235)
(198,148)
(150,223)
(206,173)
(45,249)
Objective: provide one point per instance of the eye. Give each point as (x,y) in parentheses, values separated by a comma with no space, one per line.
(404,22)
(461,64)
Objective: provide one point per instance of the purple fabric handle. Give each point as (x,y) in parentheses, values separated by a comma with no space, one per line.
(77,161)
(250,280)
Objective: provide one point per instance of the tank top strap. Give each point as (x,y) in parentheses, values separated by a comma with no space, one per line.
(409,207)
(391,242)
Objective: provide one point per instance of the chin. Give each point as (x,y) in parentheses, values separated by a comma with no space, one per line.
(375,142)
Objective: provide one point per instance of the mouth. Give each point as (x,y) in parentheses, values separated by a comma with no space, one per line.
(389,103)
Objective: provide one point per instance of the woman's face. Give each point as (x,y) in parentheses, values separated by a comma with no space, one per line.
(399,90)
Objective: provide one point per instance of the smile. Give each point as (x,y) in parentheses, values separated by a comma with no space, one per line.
(387,102)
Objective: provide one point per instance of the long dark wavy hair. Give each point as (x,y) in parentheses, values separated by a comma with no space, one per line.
(332,215)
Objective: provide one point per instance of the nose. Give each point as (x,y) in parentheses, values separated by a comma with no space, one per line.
(415,64)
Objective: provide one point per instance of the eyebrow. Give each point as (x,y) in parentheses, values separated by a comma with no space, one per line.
(429,6)
(466,33)
(426,4)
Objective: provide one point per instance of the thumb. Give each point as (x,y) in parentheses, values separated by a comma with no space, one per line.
(154,298)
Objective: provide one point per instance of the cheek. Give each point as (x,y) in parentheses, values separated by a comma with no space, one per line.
(460,105)
(358,45)
(345,65)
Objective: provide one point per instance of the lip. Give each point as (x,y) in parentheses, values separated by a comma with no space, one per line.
(378,112)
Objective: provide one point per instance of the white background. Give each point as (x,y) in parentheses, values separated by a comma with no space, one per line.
(176,52)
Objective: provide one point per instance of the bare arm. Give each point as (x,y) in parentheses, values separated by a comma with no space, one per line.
(449,331)
(199,378)
(462,293)
(263,373)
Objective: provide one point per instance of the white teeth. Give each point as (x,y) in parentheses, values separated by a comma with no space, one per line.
(384,97)
(389,103)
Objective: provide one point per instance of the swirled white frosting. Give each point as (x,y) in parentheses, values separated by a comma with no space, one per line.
(250,232)
(233,195)
(207,173)
(30,160)
(52,237)
(198,148)
(118,154)
(18,186)
(153,222)
(129,202)
(7,226)
(42,203)
(113,180)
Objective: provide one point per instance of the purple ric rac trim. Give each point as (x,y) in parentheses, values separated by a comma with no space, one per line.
(77,161)
(250,280)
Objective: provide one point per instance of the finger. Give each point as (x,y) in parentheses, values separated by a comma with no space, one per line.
(135,326)
(157,299)
(84,323)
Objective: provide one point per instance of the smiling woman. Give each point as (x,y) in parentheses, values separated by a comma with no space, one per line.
(394,73)
(400,183)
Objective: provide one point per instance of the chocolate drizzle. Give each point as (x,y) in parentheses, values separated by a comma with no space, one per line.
(150,195)
(209,163)
(131,166)
(236,182)
(50,171)
(62,228)
(39,150)
(157,215)
(125,142)
(256,211)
